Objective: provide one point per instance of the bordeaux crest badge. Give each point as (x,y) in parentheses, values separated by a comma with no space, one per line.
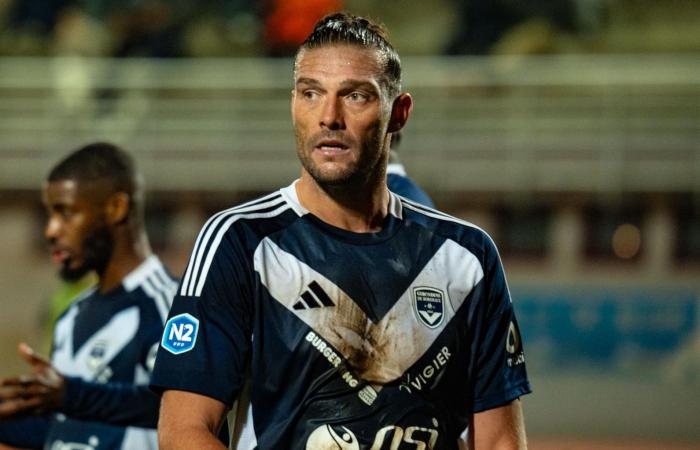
(429,305)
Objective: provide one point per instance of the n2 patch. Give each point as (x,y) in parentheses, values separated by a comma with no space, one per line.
(180,334)
(429,305)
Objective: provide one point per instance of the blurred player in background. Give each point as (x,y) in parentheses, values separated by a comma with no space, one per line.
(350,317)
(398,181)
(94,394)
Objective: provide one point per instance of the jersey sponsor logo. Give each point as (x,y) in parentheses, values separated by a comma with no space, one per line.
(423,377)
(92,444)
(180,334)
(367,394)
(313,297)
(327,437)
(429,305)
(514,346)
(513,341)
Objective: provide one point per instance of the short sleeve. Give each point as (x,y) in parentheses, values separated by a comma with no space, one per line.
(206,340)
(500,375)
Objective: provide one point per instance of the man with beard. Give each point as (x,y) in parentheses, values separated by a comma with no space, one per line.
(334,314)
(94,394)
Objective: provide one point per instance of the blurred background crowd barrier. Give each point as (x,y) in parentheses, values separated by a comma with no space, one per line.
(569,130)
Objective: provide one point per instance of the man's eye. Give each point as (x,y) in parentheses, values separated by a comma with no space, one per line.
(310,94)
(357,97)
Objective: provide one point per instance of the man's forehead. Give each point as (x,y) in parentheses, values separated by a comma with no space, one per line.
(73,189)
(338,60)
(61,187)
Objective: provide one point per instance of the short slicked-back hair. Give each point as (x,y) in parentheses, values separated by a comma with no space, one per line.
(102,162)
(348,29)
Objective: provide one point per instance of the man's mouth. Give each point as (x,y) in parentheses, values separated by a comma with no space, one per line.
(331,146)
(60,255)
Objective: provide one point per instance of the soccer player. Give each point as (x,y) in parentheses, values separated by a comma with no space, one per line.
(349,317)
(94,393)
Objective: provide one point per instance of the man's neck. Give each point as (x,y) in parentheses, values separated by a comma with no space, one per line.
(359,209)
(128,253)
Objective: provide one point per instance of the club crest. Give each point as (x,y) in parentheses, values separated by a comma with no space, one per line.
(429,305)
(96,357)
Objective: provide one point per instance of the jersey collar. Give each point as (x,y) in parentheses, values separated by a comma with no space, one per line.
(289,193)
(139,274)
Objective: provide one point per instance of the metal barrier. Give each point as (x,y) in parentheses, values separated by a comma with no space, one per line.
(536,124)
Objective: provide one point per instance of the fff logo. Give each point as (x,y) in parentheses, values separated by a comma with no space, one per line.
(180,334)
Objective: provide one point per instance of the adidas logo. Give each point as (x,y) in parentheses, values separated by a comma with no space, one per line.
(313,297)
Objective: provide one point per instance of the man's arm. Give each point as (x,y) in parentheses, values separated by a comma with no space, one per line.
(501,428)
(189,420)
(39,392)
(47,390)
(24,433)
(115,403)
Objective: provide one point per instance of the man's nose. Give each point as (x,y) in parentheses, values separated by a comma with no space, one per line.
(52,229)
(332,114)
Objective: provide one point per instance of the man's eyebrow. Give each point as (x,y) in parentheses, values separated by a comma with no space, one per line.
(345,84)
(354,84)
(307,81)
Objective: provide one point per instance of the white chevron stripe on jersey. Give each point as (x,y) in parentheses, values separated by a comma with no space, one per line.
(189,281)
(112,338)
(141,438)
(378,352)
(410,204)
(63,336)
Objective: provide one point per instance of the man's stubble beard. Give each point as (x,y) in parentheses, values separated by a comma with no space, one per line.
(357,173)
(97,251)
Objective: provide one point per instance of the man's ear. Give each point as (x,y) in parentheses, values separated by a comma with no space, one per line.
(117,208)
(400,110)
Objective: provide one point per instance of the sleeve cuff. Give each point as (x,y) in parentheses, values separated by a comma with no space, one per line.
(71,393)
(494,401)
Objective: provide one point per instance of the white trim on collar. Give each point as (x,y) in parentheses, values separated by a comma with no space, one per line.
(289,193)
(139,274)
(396,169)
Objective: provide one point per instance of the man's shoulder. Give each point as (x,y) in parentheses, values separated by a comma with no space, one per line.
(151,287)
(429,215)
(252,219)
(448,226)
(71,310)
(401,184)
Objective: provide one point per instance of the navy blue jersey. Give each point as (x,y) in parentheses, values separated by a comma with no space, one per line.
(105,345)
(26,432)
(400,183)
(372,340)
